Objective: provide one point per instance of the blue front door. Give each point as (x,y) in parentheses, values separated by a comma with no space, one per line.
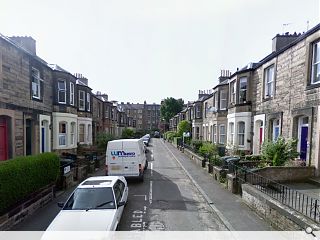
(303,143)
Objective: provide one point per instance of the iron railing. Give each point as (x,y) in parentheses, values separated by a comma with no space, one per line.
(292,198)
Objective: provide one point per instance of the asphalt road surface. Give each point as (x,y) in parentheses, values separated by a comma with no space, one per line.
(167,200)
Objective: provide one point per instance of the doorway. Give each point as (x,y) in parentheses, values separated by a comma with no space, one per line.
(3,138)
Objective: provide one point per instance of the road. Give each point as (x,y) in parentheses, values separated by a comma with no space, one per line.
(166,200)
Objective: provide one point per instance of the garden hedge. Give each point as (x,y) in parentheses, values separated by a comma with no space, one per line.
(21,176)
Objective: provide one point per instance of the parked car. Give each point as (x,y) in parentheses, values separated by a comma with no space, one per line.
(146,139)
(95,205)
(156,134)
(126,157)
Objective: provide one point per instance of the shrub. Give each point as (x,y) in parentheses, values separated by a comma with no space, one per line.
(22,176)
(170,135)
(208,149)
(196,144)
(127,133)
(215,160)
(103,139)
(280,151)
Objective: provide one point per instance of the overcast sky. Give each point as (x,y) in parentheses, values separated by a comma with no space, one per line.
(136,50)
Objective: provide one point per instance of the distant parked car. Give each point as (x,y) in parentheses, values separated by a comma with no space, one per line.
(95,205)
(156,134)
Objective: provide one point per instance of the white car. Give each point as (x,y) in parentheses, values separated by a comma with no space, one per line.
(95,205)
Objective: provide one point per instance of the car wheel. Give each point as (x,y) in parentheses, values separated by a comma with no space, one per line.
(141,178)
(146,166)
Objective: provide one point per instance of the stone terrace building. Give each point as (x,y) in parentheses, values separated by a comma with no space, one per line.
(145,117)
(287,94)
(64,115)
(25,99)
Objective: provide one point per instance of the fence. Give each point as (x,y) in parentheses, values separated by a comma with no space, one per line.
(294,199)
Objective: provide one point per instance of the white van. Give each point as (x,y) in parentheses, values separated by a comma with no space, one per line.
(126,157)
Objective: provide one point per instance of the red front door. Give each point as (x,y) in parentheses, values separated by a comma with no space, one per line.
(3,139)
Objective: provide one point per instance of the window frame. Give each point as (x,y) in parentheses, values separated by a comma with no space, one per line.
(231,126)
(88,102)
(241,135)
(82,100)
(268,81)
(313,63)
(243,90)
(37,84)
(82,134)
(223,100)
(233,92)
(62,135)
(222,134)
(72,133)
(62,90)
(71,93)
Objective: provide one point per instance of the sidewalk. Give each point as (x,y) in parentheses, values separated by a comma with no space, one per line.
(233,212)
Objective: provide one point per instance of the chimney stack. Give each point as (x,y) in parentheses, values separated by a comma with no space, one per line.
(28,43)
(280,41)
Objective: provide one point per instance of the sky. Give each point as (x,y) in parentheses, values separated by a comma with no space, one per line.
(148,50)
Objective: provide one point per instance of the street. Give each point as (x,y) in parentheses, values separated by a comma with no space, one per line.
(166,200)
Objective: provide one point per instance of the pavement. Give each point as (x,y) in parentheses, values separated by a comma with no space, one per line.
(236,215)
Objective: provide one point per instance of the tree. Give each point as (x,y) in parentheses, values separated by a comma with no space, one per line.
(127,133)
(183,126)
(170,107)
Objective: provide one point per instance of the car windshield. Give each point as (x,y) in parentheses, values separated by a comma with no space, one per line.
(91,198)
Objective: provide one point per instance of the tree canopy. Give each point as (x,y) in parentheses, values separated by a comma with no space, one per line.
(170,107)
(183,126)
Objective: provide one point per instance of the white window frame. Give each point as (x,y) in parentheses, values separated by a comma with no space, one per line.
(36,85)
(231,126)
(222,134)
(63,136)
(269,82)
(61,90)
(214,133)
(233,92)
(72,93)
(224,100)
(89,133)
(72,133)
(82,106)
(241,134)
(80,132)
(315,71)
(88,102)
(241,81)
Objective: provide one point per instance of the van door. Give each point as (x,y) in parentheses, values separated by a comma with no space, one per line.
(115,160)
(131,160)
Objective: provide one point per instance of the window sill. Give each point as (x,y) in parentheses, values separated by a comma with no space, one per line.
(312,86)
(37,99)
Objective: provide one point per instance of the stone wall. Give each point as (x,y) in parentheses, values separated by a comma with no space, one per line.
(27,208)
(193,156)
(286,174)
(278,215)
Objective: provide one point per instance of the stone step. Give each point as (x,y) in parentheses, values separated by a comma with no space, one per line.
(314,180)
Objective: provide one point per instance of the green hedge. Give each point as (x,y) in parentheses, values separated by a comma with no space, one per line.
(22,176)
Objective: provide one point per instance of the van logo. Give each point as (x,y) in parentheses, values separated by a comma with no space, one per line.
(122,154)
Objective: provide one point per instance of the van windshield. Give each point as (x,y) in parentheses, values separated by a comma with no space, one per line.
(91,198)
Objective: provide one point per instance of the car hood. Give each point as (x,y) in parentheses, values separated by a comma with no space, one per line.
(82,220)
